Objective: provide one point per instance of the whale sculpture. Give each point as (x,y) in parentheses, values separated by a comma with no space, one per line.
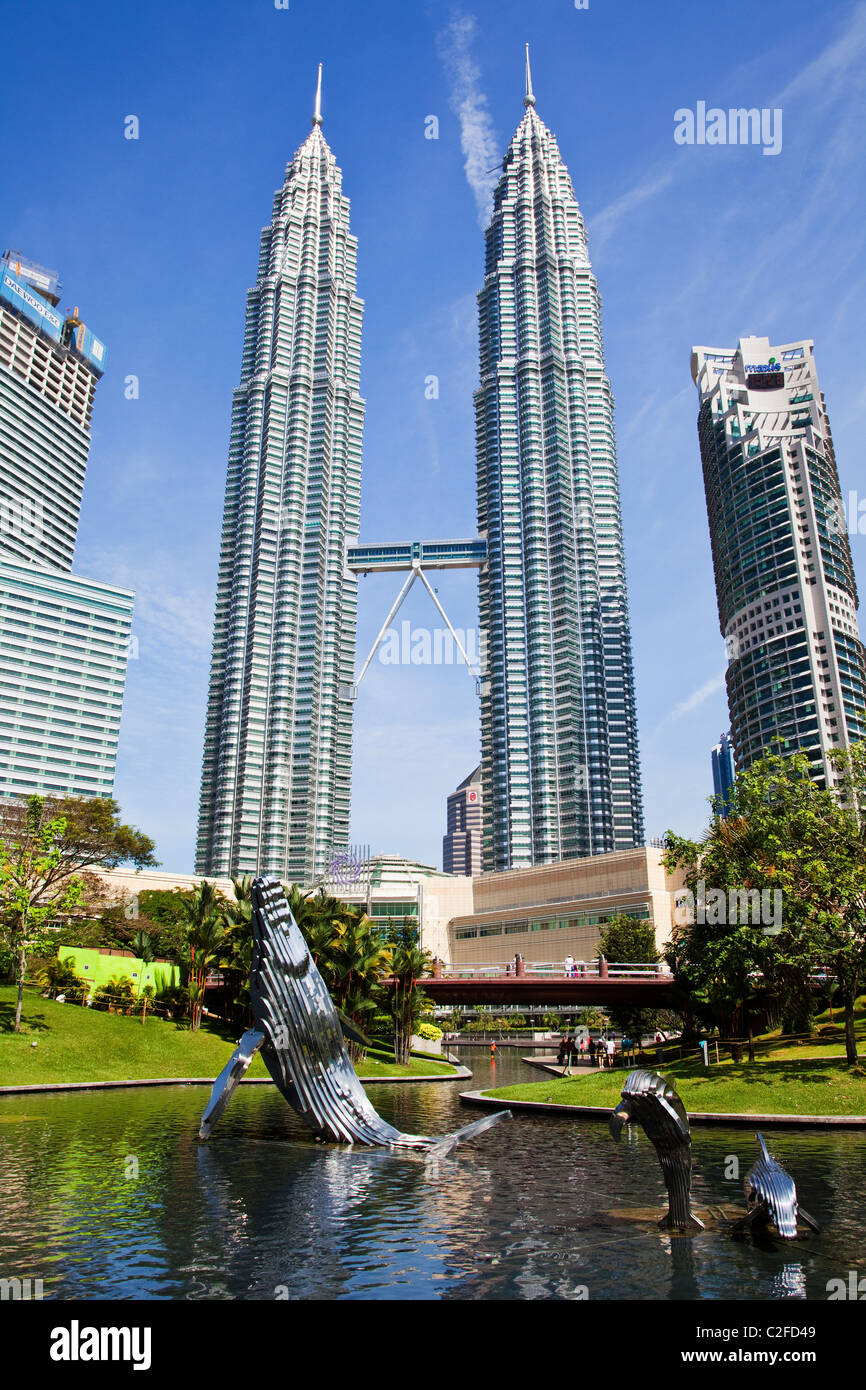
(298,1031)
(649,1099)
(771,1197)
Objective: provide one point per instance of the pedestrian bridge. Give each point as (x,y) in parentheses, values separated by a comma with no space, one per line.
(604,983)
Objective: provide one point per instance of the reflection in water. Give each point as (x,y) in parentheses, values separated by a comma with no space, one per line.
(543,1209)
(790,1282)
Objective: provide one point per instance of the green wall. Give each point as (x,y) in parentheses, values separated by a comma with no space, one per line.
(97,969)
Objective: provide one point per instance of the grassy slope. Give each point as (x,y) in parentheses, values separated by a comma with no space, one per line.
(788,1078)
(76,1044)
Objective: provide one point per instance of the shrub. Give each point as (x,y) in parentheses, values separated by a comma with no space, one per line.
(59,977)
(381,1027)
(172,1002)
(118,994)
(429,1032)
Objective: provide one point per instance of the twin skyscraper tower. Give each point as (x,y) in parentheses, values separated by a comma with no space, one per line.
(559,758)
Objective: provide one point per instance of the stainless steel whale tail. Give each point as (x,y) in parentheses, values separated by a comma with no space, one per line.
(771,1196)
(298,1031)
(649,1099)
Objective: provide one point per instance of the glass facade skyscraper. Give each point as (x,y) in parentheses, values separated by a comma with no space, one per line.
(275,793)
(64,644)
(559,732)
(724,772)
(64,639)
(784,578)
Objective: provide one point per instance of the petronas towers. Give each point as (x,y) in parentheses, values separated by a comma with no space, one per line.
(559,740)
(278,742)
(559,733)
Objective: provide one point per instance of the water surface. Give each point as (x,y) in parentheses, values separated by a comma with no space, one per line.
(110,1195)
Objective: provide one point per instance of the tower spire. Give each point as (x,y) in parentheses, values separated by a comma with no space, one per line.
(317,114)
(529,99)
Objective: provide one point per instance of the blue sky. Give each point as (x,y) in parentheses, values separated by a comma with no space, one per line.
(157,242)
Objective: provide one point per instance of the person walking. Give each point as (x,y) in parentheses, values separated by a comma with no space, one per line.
(611,1051)
(569,966)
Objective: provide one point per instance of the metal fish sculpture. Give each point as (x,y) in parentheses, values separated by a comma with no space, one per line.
(300,1036)
(771,1197)
(651,1100)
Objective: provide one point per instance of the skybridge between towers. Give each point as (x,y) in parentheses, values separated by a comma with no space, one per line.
(414,558)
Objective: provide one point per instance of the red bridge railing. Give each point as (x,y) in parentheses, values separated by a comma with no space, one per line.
(556,970)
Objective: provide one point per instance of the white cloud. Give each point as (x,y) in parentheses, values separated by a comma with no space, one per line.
(478,140)
(603,225)
(829,75)
(172,617)
(835,75)
(697,697)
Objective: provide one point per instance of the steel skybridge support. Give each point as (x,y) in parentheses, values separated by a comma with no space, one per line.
(415,557)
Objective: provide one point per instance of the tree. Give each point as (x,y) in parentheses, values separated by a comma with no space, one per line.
(724,962)
(787,835)
(237,944)
(162,913)
(625,940)
(32,888)
(47,845)
(143,948)
(119,993)
(408,964)
(594,1017)
(320,919)
(205,934)
(59,977)
(360,961)
(93,835)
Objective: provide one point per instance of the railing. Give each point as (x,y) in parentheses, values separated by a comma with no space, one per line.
(556,970)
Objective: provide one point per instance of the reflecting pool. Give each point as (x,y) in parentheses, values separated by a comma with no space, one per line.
(110,1195)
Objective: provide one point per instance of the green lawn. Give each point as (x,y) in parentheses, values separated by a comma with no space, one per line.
(77,1044)
(821,1087)
(788,1077)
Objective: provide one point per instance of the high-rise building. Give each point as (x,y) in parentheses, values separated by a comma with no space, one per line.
(559,731)
(64,640)
(275,790)
(64,644)
(784,578)
(461,845)
(724,772)
(47,385)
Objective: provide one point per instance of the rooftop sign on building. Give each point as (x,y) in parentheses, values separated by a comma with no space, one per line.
(47,282)
(29,303)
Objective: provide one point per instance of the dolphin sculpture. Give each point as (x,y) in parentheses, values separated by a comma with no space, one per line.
(651,1100)
(771,1196)
(298,1030)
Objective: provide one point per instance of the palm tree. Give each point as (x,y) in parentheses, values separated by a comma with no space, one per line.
(320,919)
(236,958)
(204,936)
(59,977)
(408,964)
(120,992)
(360,962)
(142,946)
